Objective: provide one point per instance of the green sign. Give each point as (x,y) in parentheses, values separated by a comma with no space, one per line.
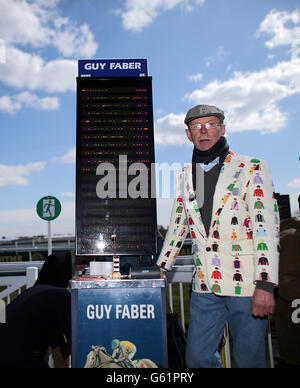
(48,208)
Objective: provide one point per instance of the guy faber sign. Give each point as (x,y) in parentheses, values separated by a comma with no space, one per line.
(106,320)
(112,68)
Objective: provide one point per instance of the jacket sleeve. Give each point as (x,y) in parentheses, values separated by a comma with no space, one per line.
(177,230)
(264,215)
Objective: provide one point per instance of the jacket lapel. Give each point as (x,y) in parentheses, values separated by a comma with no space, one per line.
(191,205)
(225,185)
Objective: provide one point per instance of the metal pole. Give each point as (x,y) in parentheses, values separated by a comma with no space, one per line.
(270,346)
(49,239)
(227,346)
(182,306)
(171,297)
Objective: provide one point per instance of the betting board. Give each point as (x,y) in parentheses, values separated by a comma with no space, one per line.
(115,177)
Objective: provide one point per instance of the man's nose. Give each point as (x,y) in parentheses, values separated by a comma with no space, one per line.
(203,128)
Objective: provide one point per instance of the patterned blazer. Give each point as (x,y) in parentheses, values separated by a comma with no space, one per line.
(243,241)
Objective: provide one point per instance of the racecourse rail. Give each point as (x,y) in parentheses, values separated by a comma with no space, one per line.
(15,276)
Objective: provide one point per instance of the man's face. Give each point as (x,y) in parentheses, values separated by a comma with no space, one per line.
(204,139)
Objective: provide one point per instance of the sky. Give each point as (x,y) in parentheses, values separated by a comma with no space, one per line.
(242,56)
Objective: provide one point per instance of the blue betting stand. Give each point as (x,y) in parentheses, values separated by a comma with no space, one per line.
(118,323)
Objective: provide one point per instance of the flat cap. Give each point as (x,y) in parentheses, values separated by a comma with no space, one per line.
(203,111)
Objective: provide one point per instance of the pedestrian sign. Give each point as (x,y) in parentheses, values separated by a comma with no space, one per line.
(48,208)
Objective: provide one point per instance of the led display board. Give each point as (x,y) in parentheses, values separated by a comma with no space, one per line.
(115,178)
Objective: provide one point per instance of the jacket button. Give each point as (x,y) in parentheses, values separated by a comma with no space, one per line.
(208,249)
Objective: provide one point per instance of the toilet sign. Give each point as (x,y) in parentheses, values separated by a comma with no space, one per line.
(48,208)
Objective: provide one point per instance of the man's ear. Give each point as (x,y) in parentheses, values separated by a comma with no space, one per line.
(188,133)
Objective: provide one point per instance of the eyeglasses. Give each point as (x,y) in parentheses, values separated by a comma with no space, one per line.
(209,126)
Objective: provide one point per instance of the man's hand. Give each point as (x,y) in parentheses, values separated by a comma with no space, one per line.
(263,303)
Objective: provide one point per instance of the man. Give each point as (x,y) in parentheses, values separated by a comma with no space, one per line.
(39,318)
(234,285)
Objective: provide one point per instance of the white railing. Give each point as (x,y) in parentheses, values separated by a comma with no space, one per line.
(15,276)
(181,273)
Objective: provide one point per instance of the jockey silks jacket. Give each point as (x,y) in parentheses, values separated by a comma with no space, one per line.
(242,245)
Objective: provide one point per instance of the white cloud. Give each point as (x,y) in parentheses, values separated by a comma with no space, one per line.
(67,158)
(21,23)
(251,99)
(75,41)
(39,24)
(229,67)
(18,175)
(219,55)
(295,183)
(277,25)
(195,77)
(12,104)
(170,130)
(23,70)
(140,13)
(7,105)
